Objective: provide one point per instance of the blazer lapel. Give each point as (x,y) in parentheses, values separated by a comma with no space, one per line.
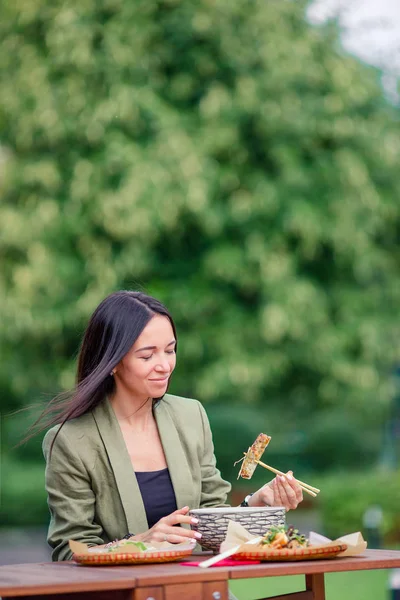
(121,465)
(176,459)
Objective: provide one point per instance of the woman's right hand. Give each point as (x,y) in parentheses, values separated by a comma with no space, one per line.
(164,530)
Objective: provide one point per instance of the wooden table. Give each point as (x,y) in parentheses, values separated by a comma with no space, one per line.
(171,581)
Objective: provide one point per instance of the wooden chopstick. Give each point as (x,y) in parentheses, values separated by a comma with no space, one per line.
(313,491)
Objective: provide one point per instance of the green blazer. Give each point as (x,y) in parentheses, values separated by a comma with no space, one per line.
(93,494)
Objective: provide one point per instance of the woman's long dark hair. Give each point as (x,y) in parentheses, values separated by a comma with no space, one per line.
(112,330)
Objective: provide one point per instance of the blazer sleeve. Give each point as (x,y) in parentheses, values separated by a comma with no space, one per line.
(214,489)
(71,499)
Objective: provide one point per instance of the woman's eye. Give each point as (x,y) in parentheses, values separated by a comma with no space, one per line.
(146,357)
(170,351)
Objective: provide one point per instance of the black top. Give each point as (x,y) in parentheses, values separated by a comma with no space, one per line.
(157,493)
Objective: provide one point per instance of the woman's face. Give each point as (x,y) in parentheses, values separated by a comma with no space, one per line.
(145,370)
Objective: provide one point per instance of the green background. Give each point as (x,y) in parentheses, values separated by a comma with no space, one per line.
(233,161)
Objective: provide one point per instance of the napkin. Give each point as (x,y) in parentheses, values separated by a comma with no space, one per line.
(225,562)
(236,534)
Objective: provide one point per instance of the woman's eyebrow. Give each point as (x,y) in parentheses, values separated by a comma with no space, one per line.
(154,347)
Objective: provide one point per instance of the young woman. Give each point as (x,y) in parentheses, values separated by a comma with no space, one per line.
(126,458)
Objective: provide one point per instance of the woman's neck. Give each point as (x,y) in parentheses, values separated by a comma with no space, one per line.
(131,411)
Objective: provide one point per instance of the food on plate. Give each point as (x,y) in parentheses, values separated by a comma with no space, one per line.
(283,536)
(254,454)
(129,546)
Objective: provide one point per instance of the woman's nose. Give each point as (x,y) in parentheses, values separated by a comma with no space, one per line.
(162,364)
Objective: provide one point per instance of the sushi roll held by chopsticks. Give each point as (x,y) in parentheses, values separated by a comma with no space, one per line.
(252,459)
(253,455)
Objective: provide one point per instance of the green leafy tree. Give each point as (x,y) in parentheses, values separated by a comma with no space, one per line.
(226,157)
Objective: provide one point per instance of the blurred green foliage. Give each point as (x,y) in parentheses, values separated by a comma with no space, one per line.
(23,497)
(230,159)
(347,496)
(333,442)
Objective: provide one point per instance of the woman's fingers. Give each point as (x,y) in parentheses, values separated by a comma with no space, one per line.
(298,492)
(296,486)
(186,533)
(182,511)
(174,535)
(165,533)
(166,527)
(278,500)
(177,513)
(287,493)
(174,538)
(178,517)
(288,490)
(283,490)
